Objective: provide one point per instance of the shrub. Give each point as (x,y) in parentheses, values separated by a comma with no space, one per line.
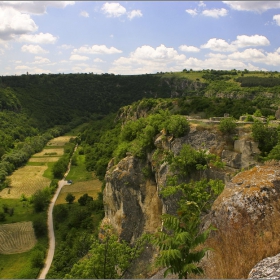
(227,125)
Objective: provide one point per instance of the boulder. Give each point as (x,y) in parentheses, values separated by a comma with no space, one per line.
(246,215)
(268,268)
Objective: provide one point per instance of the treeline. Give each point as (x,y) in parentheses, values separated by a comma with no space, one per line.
(254,81)
(217,107)
(56,99)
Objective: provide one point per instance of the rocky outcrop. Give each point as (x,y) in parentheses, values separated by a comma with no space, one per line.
(246,215)
(132,202)
(268,268)
(253,194)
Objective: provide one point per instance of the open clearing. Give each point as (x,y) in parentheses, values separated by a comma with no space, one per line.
(60,141)
(26,180)
(92,188)
(49,152)
(44,159)
(17,238)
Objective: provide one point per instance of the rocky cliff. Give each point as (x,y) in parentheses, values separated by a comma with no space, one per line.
(132,200)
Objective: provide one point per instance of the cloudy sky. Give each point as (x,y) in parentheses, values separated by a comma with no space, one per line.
(137,37)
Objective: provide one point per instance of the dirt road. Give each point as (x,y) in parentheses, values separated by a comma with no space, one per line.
(51,250)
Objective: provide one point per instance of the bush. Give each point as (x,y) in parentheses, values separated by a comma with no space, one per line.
(40,227)
(37,259)
(227,125)
(70,198)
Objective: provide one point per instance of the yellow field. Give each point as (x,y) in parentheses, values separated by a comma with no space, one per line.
(60,141)
(16,238)
(44,159)
(26,180)
(92,188)
(46,153)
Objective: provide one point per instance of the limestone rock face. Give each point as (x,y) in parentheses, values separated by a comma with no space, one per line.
(242,155)
(268,268)
(253,194)
(246,215)
(131,202)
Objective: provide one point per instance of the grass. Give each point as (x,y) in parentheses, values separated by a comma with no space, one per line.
(78,173)
(92,188)
(23,211)
(83,181)
(17,238)
(48,172)
(18,266)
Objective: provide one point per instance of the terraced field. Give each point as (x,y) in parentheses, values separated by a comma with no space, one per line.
(26,180)
(16,238)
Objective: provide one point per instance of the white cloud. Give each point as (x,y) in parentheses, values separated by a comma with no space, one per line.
(216,13)
(134,13)
(253,55)
(66,47)
(277,19)
(78,57)
(253,6)
(192,12)
(146,59)
(41,38)
(41,60)
(185,48)
(201,4)
(113,9)
(35,7)
(98,60)
(84,14)
(22,67)
(97,49)
(14,23)
(220,45)
(255,40)
(216,55)
(35,49)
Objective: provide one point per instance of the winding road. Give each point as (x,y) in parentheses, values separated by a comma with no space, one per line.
(51,250)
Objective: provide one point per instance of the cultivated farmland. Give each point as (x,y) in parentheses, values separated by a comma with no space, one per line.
(26,180)
(16,238)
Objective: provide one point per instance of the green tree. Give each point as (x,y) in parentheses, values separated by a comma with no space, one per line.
(178,242)
(227,125)
(70,198)
(108,258)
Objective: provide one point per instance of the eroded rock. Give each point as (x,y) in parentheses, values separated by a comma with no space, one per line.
(268,268)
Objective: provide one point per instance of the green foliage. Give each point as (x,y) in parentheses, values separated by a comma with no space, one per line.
(258,113)
(227,125)
(84,199)
(187,160)
(177,126)
(70,198)
(37,259)
(41,199)
(60,167)
(266,137)
(108,258)
(40,227)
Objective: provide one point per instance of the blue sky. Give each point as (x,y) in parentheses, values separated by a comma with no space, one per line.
(138,37)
